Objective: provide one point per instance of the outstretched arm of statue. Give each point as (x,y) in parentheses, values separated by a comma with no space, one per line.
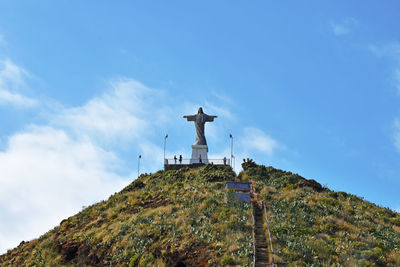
(211,118)
(190,117)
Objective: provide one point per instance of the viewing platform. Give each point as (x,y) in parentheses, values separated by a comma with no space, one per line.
(175,164)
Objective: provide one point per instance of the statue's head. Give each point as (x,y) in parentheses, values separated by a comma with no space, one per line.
(200,111)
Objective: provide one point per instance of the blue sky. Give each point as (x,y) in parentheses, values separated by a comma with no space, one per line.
(87,86)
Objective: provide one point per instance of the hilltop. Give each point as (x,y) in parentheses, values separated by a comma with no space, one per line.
(187,217)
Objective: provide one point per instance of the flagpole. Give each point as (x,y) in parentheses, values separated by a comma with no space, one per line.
(138,165)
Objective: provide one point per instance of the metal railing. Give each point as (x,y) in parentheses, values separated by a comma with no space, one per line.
(174,161)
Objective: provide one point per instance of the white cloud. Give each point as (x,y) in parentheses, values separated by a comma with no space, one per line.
(126,111)
(256,139)
(253,143)
(153,155)
(12,80)
(344,27)
(222,111)
(339,29)
(7,97)
(390,50)
(47,175)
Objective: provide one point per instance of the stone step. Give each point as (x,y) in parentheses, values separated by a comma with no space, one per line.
(261,258)
(261,253)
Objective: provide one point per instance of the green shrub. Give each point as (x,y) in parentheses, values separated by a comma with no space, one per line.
(378,255)
(396,221)
(134,260)
(112,215)
(359,245)
(227,260)
(146,260)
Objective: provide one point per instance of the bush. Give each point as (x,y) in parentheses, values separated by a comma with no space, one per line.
(134,260)
(146,260)
(396,221)
(227,260)
(248,163)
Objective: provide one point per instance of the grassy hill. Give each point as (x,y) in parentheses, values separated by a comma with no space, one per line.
(172,218)
(312,225)
(187,218)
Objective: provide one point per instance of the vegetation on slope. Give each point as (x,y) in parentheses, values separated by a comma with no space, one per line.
(314,226)
(173,218)
(186,218)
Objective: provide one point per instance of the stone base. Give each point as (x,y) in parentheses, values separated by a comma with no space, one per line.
(197,151)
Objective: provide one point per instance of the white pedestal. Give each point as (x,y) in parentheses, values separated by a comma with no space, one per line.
(198,150)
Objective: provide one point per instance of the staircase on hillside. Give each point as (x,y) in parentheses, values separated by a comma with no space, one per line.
(261,247)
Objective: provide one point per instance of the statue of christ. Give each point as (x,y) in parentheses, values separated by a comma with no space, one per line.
(199,120)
